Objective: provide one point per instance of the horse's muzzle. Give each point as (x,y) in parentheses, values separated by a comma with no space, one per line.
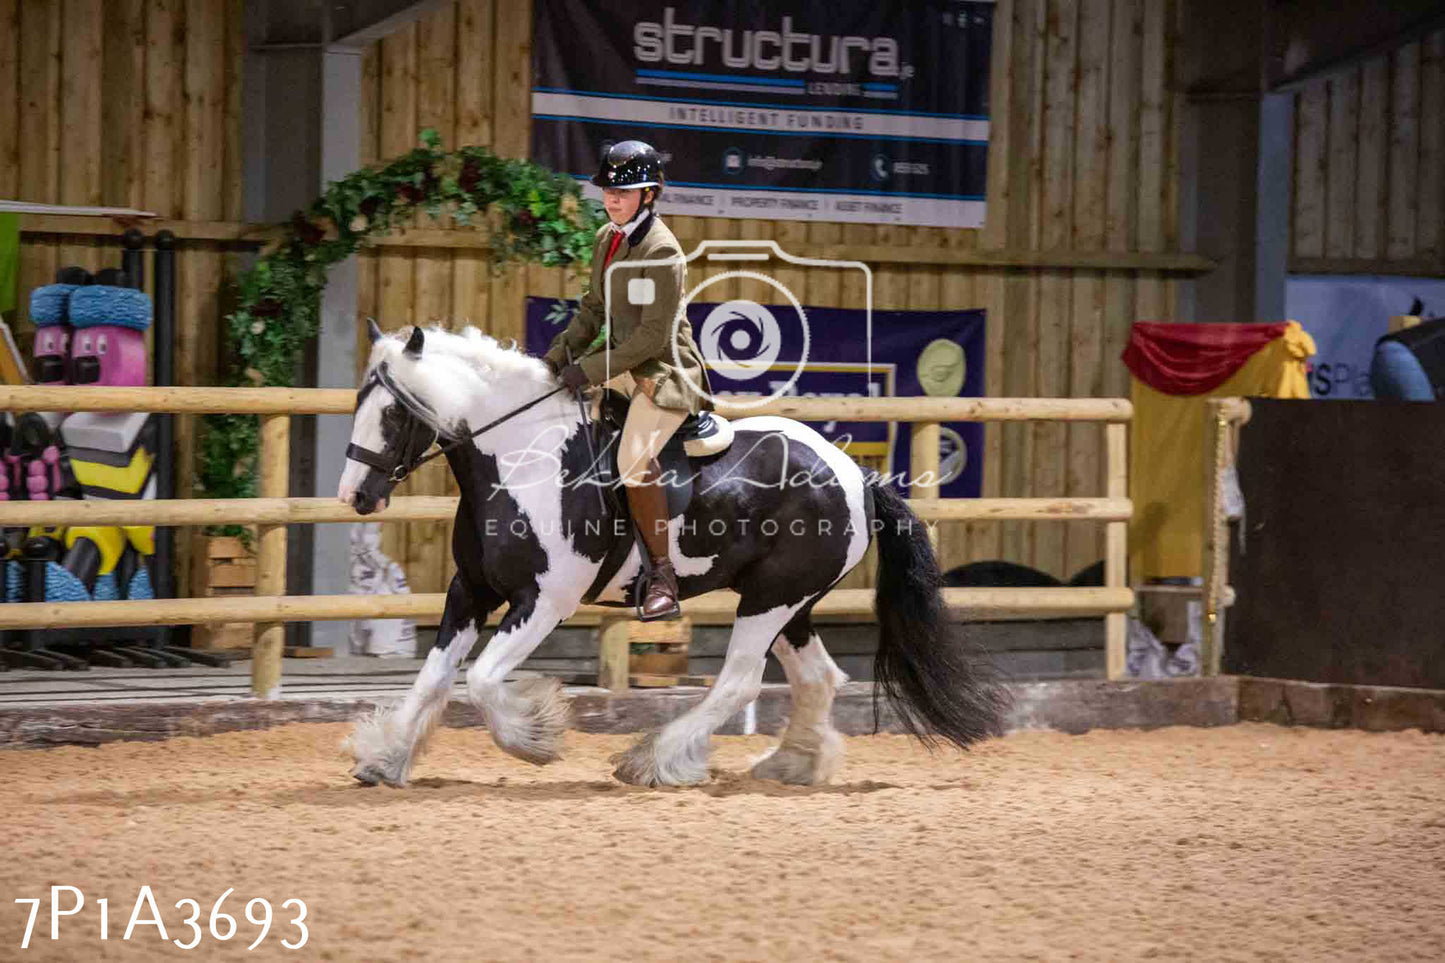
(365,504)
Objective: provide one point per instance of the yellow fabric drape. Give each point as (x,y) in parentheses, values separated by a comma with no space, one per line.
(1166,456)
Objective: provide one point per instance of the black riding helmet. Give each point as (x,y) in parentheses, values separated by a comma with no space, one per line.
(630,163)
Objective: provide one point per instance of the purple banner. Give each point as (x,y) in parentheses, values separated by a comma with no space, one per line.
(914,354)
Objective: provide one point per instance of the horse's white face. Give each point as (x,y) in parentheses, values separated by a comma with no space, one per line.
(367,433)
(441,383)
(387,436)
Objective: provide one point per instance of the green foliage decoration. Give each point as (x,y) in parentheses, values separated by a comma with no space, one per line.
(532,215)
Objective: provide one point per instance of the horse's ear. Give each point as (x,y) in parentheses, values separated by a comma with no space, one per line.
(414,343)
(373,331)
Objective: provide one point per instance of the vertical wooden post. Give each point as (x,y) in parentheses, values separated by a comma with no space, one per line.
(923,467)
(1116,438)
(614,654)
(1215,429)
(275,455)
(1222,415)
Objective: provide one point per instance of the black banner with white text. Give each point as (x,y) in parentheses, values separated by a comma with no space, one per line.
(796,109)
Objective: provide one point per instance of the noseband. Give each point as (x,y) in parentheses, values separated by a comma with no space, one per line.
(410,454)
(413,458)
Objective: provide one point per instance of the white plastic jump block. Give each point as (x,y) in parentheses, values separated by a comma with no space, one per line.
(103,431)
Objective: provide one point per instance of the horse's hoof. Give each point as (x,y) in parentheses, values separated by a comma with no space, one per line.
(534,723)
(798,766)
(530,751)
(633,774)
(370,775)
(638,765)
(641,766)
(787,766)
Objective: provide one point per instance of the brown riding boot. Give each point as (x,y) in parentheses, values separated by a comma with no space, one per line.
(648,502)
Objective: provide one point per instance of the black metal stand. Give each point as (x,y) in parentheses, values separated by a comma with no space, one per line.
(132,258)
(164,371)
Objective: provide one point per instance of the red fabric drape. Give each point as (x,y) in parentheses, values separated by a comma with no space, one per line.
(1192,359)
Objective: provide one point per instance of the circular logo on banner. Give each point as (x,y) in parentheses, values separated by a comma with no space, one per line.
(942,368)
(742,337)
(952,455)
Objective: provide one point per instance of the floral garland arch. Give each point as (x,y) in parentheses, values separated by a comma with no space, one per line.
(534,214)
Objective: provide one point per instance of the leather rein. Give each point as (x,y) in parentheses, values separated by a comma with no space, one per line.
(414,406)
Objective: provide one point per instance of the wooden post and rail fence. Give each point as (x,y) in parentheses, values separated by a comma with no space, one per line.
(271,608)
(1223,419)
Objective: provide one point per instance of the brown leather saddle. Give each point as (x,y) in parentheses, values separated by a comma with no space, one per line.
(702,431)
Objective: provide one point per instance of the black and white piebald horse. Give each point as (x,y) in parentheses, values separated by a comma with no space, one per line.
(780,517)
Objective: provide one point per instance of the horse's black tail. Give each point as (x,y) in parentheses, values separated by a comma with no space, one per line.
(936,681)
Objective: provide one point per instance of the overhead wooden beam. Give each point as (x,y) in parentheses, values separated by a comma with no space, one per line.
(1409,267)
(466,239)
(113,226)
(1305,41)
(379,19)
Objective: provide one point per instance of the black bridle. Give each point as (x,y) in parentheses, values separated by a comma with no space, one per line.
(412,457)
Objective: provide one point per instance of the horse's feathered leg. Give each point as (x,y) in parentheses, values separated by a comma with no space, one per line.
(387,742)
(811,751)
(677,754)
(526,718)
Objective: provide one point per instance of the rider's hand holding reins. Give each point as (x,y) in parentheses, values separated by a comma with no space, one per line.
(574,377)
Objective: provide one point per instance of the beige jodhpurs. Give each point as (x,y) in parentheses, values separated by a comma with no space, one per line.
(645,432)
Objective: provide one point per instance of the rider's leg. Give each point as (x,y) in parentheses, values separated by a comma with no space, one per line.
(646,431)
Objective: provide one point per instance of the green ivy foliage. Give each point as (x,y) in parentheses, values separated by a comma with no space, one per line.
(532,214)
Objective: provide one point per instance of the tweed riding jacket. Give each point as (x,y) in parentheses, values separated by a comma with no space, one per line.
(640,336)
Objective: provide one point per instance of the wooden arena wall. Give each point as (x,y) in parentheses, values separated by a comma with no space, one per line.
(1369,167)
(1086,120)
(137,102)
(128,103)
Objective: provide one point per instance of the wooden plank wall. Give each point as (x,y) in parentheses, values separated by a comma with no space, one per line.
(1369,192)
(1084,157)
(127,103)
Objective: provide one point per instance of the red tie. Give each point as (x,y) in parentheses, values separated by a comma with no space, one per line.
(616,240)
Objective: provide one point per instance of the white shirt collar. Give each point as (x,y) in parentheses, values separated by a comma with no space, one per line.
(642,214)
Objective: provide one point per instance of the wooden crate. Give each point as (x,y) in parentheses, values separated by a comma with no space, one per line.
(661,660)
(222,566)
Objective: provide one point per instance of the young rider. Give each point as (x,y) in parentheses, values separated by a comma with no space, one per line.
(649,346)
